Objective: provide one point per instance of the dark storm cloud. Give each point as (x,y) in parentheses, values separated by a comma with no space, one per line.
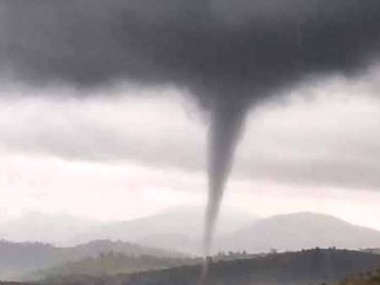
(212,47)
(229,53)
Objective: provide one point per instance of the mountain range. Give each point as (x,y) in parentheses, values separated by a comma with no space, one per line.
(180,229)
(45,228)
(300,231)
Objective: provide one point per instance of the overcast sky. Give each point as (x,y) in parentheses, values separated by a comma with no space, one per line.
(119,157)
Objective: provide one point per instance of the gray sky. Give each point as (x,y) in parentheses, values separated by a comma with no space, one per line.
(118,157)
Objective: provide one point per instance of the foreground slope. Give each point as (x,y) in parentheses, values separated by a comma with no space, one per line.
(364,278)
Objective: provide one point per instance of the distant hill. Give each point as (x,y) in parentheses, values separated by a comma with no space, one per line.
(298,231)
(18,259)
(291,268)
(179,228)
(45,228)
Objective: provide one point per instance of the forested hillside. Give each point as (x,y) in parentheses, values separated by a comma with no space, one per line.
(307,267)
(110,264)
(17,260)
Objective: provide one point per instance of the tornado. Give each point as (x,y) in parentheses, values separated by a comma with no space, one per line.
(227,121)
